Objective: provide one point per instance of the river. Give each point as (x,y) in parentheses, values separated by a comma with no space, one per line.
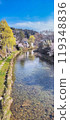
(33,89)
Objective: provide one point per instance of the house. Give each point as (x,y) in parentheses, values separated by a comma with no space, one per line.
(32,45)
(25,42)
(20,45)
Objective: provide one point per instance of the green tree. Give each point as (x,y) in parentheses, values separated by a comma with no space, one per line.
(31,39)
(7,38)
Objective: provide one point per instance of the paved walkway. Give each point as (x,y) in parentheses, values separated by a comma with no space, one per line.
(2,63)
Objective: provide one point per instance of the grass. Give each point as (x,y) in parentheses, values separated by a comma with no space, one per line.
(3,71)
(1,62)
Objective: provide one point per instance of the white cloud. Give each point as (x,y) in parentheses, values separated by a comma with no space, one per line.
(38,26)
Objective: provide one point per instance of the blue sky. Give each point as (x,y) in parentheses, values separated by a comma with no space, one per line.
(31,14)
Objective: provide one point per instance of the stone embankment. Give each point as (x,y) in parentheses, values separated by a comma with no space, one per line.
(5,99)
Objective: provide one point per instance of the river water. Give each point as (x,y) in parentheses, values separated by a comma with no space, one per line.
(33,89)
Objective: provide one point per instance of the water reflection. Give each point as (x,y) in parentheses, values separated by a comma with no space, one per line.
(33,89)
